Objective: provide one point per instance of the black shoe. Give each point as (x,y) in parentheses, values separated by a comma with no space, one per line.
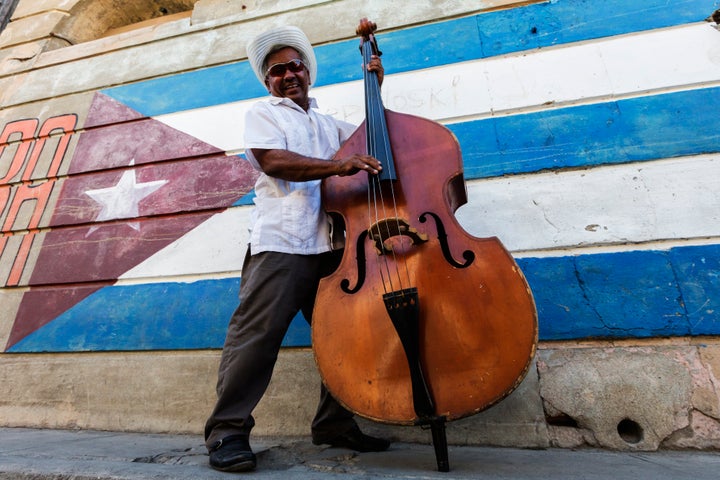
(232,454)
(354,439)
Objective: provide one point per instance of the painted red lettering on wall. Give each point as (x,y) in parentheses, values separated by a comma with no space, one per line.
(26,185)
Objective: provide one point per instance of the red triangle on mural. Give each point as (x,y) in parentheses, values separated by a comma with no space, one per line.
(134,186)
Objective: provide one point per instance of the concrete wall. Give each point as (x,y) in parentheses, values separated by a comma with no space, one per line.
(589,139)
(626,397)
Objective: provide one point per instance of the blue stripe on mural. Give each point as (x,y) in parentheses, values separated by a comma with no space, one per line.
(489,34)
(631,130)
(191,315)
(625,295)
(635,294)
(577,297)
(184,316)
(566,21)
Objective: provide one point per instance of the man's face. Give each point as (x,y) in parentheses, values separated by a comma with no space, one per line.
(293,85)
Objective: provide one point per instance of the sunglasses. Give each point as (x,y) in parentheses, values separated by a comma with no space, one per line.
(279,69)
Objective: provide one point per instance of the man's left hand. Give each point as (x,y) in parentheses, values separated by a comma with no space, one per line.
(376,66)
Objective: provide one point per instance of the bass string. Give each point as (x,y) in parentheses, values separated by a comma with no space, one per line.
(378,141)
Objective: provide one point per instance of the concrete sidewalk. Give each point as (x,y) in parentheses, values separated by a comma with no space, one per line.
(27,454)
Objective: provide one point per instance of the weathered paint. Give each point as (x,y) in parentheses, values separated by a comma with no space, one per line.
(537,81)
(443,43)
(611,295)
(590,151)
(560,87)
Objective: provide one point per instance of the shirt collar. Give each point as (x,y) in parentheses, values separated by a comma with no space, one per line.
(287,102)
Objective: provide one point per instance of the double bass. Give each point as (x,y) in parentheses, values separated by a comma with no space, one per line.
(421,323)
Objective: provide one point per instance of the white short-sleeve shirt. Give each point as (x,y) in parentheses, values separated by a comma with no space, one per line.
(288,216)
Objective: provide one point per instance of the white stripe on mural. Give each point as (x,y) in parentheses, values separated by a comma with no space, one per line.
(618,205)
(662,60)
(216,247)
(621,204)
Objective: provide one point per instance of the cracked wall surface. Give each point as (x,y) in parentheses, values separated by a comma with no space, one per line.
(636,398)
(632,398)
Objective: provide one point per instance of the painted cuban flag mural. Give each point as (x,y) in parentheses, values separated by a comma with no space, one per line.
(591,145)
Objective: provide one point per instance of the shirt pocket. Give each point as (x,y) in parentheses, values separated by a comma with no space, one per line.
(301,220)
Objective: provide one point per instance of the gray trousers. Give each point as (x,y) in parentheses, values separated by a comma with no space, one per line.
(274,287)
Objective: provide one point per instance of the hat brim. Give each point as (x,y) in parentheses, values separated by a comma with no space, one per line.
(271,40)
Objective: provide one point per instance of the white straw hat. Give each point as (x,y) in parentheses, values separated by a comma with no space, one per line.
(287,36)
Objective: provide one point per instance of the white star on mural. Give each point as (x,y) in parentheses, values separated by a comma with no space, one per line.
(121,201)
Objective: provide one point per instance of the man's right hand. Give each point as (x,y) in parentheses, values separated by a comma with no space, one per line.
(356,163)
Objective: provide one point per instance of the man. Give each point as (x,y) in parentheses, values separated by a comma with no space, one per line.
(290,249)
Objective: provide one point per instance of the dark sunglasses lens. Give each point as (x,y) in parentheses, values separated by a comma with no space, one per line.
(278,70)
(295,66)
